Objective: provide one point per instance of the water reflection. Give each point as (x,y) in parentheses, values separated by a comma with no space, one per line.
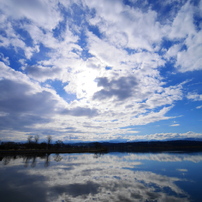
(94,177)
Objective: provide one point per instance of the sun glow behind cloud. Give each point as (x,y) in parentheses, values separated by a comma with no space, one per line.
(85,71)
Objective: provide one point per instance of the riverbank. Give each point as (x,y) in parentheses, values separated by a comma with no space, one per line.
(53,151)
(153,146)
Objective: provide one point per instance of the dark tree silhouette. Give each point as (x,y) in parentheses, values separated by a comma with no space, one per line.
(58,158)
(59,144)
(36,138)
(47,161)
(29,139)
(49,139)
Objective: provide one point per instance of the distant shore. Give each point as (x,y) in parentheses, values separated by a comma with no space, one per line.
(96,147)
(52,151)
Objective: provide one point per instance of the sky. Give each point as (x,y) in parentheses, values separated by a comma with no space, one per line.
(118,70)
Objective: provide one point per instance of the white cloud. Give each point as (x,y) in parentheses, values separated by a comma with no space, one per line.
(43,13)
(190,59)
(166,157)
(182,170)
(184,17)
(4,59)
(194,96)
(199,107)
(184,31)
(167,136)
(124,26)
(175,124)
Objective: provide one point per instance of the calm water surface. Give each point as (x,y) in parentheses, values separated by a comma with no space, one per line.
(109,177)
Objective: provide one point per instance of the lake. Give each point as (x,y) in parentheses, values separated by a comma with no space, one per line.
(102,177)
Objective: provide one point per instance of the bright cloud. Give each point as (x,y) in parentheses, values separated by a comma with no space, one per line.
(175,124)
(85,71)
(194,96)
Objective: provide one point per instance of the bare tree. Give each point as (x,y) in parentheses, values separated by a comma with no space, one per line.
(47,162)
(29,139)
(49,138)
(59,144)
(36,137)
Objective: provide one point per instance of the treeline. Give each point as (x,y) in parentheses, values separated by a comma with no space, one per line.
(33,145)
(155,146)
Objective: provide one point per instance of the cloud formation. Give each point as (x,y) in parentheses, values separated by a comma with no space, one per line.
(121,88)
(84,64)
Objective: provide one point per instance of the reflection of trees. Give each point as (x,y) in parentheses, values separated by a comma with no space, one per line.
(27,160)
(97,155)
(6,160)
(31,160)
(47,160)
(33,164)
(58,158)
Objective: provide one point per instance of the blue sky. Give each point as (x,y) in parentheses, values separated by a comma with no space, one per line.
(100,70)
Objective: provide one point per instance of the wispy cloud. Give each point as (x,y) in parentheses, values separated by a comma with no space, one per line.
(175,124)
(194,96)
(182,170)
(199,107)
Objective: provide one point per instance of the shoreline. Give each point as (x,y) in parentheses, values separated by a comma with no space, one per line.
(44,152)
(68,151)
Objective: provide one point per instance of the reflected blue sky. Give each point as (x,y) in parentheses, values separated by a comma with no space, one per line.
(109,177)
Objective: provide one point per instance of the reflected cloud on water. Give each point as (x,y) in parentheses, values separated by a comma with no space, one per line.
(89,177)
